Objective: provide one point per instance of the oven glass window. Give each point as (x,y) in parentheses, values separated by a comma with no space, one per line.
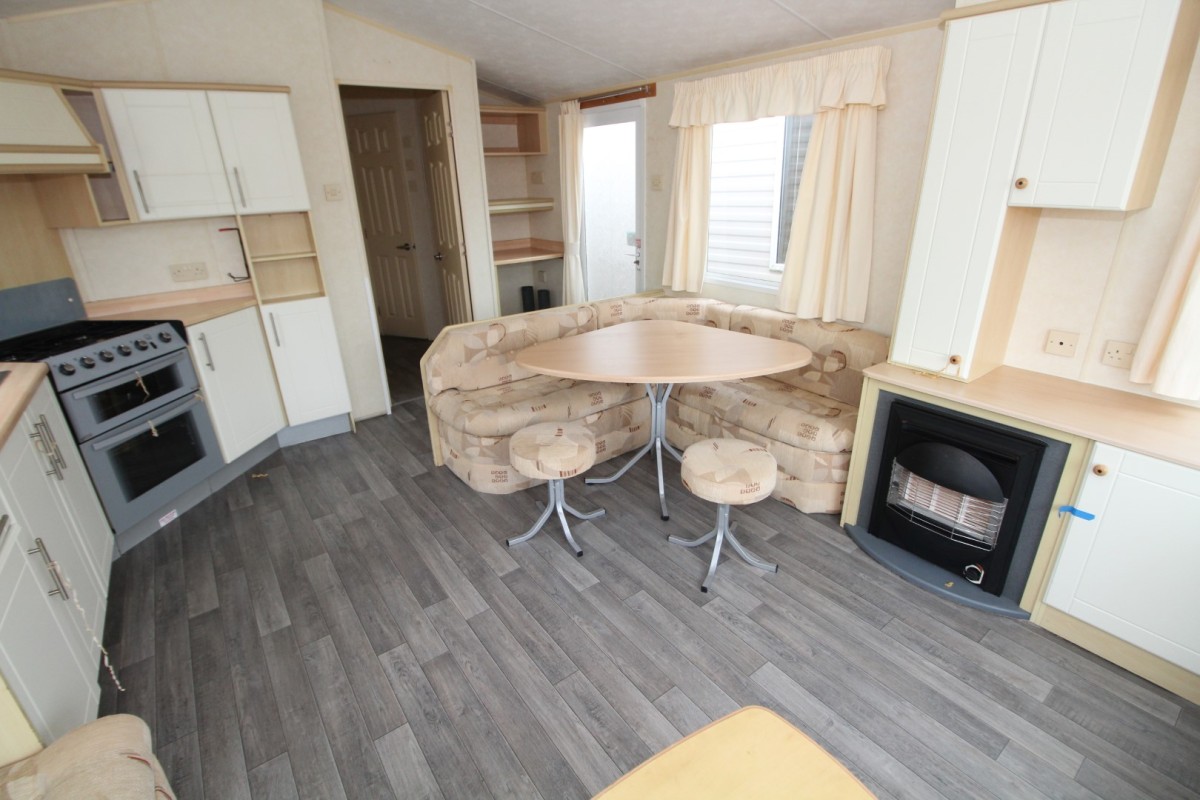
(146,460)
(134,393)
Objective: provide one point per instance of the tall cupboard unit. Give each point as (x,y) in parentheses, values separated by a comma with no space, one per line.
(1019,124)
(55,551)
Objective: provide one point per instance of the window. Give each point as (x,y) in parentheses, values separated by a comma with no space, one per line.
(755,176)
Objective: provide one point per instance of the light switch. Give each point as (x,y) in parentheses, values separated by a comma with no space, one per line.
(333,192)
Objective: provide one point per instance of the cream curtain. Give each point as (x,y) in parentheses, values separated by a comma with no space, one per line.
(570,161)
(1167,357)
(829,253)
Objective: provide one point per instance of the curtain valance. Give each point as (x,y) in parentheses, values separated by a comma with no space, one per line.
(780,90)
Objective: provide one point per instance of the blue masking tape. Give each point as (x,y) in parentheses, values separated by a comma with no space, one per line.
(1075,512)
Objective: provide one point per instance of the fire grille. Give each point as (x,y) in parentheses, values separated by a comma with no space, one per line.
(959,517)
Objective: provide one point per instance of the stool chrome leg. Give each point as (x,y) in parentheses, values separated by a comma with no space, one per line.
(723,531)
(556,504)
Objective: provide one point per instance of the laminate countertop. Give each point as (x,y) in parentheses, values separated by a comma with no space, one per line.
(189,307)
(16,390)
(1135,422)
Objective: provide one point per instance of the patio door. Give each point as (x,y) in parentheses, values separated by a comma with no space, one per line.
(613,199)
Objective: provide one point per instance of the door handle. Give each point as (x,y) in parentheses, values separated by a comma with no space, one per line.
(52,568)
(207,353)
(237,178)
(406,246)
(438,257)
(56,451)
(275,329)
(137,179)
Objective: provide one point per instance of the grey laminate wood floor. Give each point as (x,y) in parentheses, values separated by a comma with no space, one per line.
(344,620)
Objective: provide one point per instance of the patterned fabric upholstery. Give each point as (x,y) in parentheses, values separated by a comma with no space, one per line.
(728,471)
(483,463)
(552,450)
(505,409)
(482,355)
(700,310)
(840,352)
(106,758)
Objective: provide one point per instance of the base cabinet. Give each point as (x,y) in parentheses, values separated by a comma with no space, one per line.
(1129,571)
(234,367)
(308,364)
(55,552)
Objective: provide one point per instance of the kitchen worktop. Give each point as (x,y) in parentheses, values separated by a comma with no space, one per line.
(15,392)
(189,306)
(1135,422)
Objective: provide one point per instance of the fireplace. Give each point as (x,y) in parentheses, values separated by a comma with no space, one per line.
(956,503)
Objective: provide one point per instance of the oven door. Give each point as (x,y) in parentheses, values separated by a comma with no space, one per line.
(111,402)
(148,463)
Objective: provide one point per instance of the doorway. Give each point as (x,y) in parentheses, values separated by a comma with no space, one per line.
(613,200)
(406,186)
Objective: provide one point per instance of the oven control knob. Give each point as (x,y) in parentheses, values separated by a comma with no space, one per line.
(124,349)
(106,355)
(66,369)
(88,362)
(165,336)
(142,344)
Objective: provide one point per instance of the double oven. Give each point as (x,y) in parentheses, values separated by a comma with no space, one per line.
(130,394)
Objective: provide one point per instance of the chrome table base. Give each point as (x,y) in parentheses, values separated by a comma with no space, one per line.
(658,394)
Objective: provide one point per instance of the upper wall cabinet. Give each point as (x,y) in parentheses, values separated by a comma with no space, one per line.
(39,133)
(191,153)
(1104,102)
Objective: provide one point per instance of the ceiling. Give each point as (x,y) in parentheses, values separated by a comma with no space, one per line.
(549,49)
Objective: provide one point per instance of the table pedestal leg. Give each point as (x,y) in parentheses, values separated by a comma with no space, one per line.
(658,394)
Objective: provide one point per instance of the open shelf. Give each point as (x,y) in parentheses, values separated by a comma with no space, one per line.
(513,130)
(520,205)
(282,257)
(519,251)
(286,235)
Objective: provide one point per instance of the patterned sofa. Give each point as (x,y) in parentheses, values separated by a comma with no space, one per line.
(477,396)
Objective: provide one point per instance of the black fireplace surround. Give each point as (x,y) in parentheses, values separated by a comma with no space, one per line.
(955,503)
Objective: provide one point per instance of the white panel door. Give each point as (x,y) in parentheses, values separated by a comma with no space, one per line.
(234,366)
(1096,85)
(258,146)
(1130,571)
(169,151)
(447,216)
(987,72)
(308,363)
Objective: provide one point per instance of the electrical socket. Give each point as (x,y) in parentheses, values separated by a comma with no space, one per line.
(1118,354)
(1062,343)
(333,192)
(541,276)
(182,273)
(656,183)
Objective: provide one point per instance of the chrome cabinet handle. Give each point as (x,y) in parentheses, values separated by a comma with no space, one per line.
(237,178)
(3,526)
(43,445)
(52,568)
(137,179)
(57,451)
(275,329)
(207,353)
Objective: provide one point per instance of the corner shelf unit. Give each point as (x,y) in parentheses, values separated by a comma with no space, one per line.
(520,205)
(282,256)
(520,251)
(513,130)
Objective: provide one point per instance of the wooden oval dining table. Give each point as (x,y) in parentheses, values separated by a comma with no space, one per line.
(660,354)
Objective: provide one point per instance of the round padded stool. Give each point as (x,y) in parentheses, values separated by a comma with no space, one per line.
(553,451)
(727,472)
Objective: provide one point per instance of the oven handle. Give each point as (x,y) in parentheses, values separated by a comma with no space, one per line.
(100,445)
(169,360)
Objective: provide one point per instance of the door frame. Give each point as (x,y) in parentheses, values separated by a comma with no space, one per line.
(630,111)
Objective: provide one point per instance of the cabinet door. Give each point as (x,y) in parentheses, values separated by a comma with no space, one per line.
(258,146)
(1130,571)
(308,363)
(46,137)
(1096,85)
(39,656)
(987,71)
(169,151)
(235,372)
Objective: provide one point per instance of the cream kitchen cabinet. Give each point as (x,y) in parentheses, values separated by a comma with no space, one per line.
(194,153)
(234,366)
(1130,570)
(308,364)
(55,552)
(964,229)
(1101,78)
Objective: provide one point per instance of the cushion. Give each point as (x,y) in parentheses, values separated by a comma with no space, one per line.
(840,352)
(700,310)
(728,471)
(777,411)
(552,450)
(504,410)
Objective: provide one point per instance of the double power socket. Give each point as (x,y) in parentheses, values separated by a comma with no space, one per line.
(1116,354)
